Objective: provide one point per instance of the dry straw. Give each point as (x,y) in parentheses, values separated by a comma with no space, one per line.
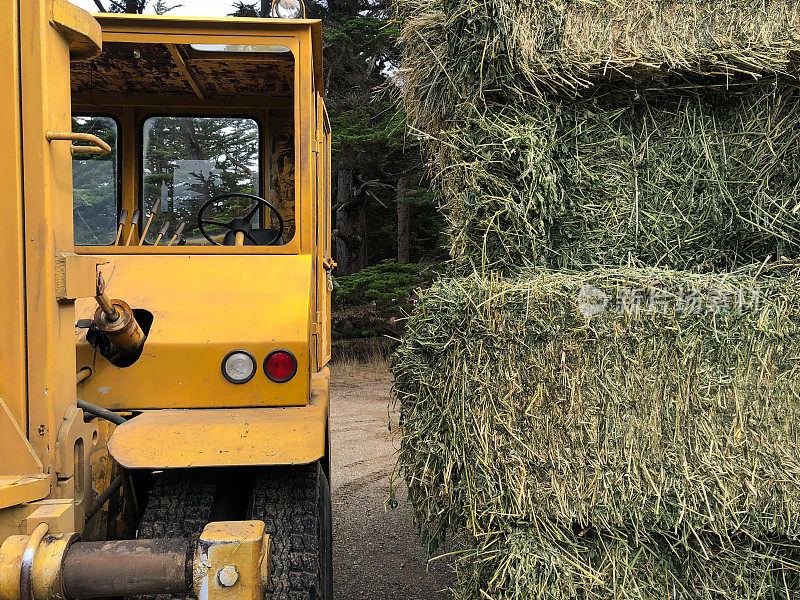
(574,133)
(579,453)
(461,50)
(611,434)
(703,182)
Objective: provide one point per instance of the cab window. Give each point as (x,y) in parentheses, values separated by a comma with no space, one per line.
(95,184)
(189,161)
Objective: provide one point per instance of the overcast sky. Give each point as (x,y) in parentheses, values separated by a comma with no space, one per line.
(197,8)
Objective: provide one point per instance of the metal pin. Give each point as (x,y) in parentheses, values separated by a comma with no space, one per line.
(134,221)
(178,233)
(153,211)
(83,374)
(161,232)
(103,300)
(123,219)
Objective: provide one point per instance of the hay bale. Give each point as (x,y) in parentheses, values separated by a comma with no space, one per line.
(613,434)
(457,51)
(700,181)
(572,133)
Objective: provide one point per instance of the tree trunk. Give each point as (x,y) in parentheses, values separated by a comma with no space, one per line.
(360,221)
(266,5)
(351,223)
(403,234)
(344,191)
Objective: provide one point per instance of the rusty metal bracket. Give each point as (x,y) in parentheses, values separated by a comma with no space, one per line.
(76,275)
(232,561)
(229,562)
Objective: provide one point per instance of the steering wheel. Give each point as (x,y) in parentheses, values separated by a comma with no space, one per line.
(239,224)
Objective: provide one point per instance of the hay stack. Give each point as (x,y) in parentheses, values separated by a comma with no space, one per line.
(646,148)
(457,51)
(653,131)
(689,181)
(609,434)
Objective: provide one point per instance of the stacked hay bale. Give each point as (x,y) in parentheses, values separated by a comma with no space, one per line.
(617,433)
(570,132)
(601,402)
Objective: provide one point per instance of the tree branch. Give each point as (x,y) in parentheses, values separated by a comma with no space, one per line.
(363,185)
(100,6)
(378,200)
(345,205)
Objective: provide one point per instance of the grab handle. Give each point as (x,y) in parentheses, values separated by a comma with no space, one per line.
(98,147)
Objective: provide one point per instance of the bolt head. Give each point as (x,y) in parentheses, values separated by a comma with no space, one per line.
(228,576)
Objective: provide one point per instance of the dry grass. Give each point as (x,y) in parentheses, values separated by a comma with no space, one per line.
(573,133)
(364,349)
(701,181)
(642,454)
(375,366)
(458,51)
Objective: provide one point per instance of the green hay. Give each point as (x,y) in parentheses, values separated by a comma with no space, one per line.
(579,133)
(457,51)
(706,181)
(604,566)
(643,453)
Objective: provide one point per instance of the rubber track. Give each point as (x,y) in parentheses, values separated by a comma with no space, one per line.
(179,505)
(286,499)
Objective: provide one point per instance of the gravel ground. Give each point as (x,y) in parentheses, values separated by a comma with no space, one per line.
(377,554)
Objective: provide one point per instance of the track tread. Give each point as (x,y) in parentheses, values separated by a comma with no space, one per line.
(180,505)
(287,499)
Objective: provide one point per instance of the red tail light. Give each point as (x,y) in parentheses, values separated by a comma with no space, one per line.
(280,366)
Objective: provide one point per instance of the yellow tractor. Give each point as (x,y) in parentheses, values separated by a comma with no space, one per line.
(165,286)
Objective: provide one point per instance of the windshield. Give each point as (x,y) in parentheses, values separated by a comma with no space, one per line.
(187,162)
(205,181)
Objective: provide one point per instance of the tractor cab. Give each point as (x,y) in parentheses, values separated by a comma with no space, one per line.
(165,305)
(209,212)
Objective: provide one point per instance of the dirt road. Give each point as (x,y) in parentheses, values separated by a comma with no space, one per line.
(377,554)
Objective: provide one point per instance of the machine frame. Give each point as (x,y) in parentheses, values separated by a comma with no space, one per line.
(61,466)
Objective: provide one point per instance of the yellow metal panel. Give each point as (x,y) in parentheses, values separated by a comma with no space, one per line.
(129,168)
(78,27)
(323,227)
(47,165)
(16,454)
(58,514)
(165,26)
(203,307)
(21,488)
(220,438)
(305,119)
(232,561)
(214,438)
(12,288)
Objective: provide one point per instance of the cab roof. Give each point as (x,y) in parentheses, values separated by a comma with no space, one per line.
(151,54)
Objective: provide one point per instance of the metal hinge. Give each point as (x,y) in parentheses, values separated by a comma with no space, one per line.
(319,139)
